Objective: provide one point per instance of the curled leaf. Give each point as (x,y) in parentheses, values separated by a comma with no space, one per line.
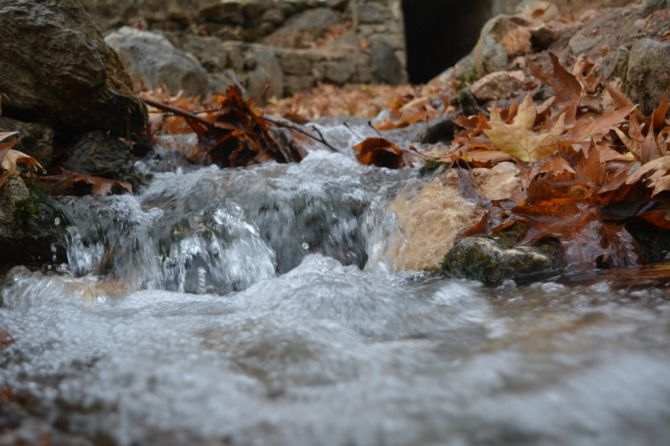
(11,160)
(379,152)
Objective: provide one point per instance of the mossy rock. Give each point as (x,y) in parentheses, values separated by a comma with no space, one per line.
(490,262)
(30,225)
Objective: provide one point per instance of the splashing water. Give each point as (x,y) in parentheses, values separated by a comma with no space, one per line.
(247,307)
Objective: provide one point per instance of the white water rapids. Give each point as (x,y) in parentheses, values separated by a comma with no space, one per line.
(249,307)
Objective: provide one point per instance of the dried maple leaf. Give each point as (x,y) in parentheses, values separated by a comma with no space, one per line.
(379,152)
(66,182)
(518,138)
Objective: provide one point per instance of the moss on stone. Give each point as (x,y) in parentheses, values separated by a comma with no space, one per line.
(486,260)
(431,167)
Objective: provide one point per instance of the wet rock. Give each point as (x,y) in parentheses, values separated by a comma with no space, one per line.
(97,153)
(501,39)
(154,62)
(430,217)
(386,67)
(497,85)
(482,259)
(428,221)
(29,229)
(648,75)
(36,139)
(56,68)
(498,182)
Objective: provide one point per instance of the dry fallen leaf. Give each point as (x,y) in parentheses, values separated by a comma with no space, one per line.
(66,182)
(379,152)
(660,175)
(10,159)
(519,139)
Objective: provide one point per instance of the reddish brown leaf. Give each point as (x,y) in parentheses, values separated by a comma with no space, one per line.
(379,152)
(659,218)
(658,116)
(587,128)
(566,88)
(66,182)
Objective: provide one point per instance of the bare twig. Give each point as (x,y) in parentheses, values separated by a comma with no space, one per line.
(179,112)
(321,139)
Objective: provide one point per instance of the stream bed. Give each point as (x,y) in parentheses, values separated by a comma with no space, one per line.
(251,307)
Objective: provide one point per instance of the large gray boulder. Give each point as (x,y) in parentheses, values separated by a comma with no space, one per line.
(154,62)
(56,68)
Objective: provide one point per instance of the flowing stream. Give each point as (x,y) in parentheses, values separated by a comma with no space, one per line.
(252,307)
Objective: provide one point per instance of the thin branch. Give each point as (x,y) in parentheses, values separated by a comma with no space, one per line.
(302,131)
(179,112)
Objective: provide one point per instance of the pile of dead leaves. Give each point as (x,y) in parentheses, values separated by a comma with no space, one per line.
(232,133)
(590,164)
(404,104)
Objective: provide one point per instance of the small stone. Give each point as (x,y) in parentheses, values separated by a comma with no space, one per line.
(339,72)
(229,13)
(648,75)
(267,78)
(295,63)
(386,67)
(503,37)
(497,85)
(482,259)
(371,13)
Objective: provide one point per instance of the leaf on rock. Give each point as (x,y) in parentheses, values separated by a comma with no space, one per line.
(7,141)
(519,139)
(379,152)
(235,134)
(13,161)
(567,88)
(66,182)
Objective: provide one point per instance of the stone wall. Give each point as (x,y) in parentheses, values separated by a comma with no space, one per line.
(272,47)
